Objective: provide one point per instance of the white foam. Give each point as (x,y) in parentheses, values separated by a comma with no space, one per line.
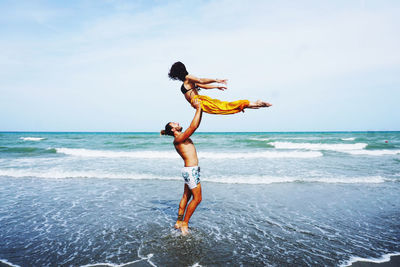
(318,146)
(302,138)
(384,258)
(272,180)
(172,154)
(8,263)
(381,152)
(232,179)
(116,265)
(348,139)
(261,154)
(81,152)
(259,139)
(31,138)
(61,174)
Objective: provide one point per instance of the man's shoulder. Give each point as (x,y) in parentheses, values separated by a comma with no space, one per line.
(178,141)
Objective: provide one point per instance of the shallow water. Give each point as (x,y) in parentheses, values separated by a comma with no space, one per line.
(109,200)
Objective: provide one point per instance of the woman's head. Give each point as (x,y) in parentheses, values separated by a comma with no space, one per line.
(178,71)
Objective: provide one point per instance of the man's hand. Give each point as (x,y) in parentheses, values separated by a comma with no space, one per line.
(193,125)
(196,104)
(222,88)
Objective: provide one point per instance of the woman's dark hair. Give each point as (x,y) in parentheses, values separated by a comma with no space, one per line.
(178,71)
(167,130)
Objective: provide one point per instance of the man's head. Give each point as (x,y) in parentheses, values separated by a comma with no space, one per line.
(171,128)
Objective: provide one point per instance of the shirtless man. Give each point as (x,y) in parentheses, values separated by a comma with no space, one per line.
(191,172)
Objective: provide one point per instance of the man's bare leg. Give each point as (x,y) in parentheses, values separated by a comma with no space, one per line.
(196,192)
(259,104)
(187,194)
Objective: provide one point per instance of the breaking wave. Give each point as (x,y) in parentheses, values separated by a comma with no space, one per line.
(172,154)
(318,146)
(236,179)
(32,138)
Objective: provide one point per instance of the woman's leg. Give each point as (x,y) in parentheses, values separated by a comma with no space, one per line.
(258,104)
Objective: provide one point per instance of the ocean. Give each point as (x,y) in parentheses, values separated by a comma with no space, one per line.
(269,199)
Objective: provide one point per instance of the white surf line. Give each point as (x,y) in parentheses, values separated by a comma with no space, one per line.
(381,152)
(231,179)
(383,258)
(149,256)
(31,138)
(82,152)
(121,265)
(8,263)
(319,146)
(275,180)
(348,139)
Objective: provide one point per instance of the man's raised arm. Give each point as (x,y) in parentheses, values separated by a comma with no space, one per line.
(193,125)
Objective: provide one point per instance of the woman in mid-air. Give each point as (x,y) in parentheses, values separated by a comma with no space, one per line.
(191,85)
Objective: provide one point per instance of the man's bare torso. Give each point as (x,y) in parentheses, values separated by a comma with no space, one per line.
(188,152)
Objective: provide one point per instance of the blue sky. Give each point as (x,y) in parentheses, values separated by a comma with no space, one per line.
(102,65)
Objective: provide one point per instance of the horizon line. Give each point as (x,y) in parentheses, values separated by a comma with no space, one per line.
(316,131)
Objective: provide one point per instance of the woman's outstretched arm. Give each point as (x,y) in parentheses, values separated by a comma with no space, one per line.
(205,80)
(211,86)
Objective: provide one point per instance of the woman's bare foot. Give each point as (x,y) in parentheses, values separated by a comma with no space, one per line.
(263,104)
(178,224)
(259,104)
(184,228)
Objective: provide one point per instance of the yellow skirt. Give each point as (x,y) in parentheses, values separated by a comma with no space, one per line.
(215,106)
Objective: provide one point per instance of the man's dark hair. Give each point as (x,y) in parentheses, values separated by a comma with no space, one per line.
(178,71)
(167,130)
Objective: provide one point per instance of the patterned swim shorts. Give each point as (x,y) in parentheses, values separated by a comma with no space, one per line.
(191,175)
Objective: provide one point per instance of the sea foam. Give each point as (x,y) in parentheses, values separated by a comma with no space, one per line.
(318,146)
(6,263)
(231,179)
(384,258)
(149,256)
(172,154)
(261,179)
(348,139)
(81,152)
(64,174)
(259,139)
(381,152)
(31,138)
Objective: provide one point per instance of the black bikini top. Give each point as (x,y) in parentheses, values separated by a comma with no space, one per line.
(184,90)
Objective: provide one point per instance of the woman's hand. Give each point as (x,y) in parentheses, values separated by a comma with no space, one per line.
(222,88)
(224,81)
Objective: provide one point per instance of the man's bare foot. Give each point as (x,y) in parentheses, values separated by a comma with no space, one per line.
(178,224)
(184,228)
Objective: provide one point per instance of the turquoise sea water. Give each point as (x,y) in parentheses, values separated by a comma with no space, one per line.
(269,199)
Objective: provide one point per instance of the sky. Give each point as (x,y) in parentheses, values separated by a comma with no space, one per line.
(103,65)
